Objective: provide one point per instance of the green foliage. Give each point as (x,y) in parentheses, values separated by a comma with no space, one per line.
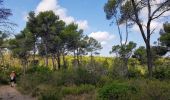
(116,91)
(154,90)
(29,82)
(162,72)
(110,8)
(134,73)
(77,77)
(5,71)
(46,84)
(77,90)
(140,54)
(39,69)
(124,51)
(49,93)
(165,36)
(85,77)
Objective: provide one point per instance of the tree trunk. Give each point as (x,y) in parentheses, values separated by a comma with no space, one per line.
(58,61)
(64,61)
(78,57)
(24,66)
(34,54)
(91,58)
(53,62)
(149,59)
(46,54)
(125,67)
(74,55)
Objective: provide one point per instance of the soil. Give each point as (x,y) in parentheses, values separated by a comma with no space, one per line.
(10,93)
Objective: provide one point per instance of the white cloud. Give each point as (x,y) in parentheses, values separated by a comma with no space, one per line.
(46,5)
(25,18)
(155,25)
(103,37)
(83,24)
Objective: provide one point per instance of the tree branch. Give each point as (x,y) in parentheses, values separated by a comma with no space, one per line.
(156,10)
(138,21)
(160,14)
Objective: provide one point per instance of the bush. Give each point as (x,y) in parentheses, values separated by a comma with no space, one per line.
(154,90)
(104,80)
(39,69)
(116,91)
(4,79)
(50,95)
(29,82)
(83,76)
(134,73)
(5,73)
(64,77)
(162,73)
(77,90)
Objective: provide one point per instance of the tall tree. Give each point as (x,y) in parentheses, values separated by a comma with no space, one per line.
(92,47)
(46,26)
(56,46)
(21,46)
(130,10)
(73,37)
(124,52)
(31,27)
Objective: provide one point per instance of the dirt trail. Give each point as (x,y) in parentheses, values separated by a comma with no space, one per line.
(10,93)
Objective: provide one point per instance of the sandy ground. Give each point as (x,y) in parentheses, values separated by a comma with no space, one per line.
(10,93)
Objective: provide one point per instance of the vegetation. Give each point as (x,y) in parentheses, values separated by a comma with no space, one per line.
(57,61)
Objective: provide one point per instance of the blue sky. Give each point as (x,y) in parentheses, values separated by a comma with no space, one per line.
(88,14)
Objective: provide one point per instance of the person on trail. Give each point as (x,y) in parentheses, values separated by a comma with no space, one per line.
(13,78)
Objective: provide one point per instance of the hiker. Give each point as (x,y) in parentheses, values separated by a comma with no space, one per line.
(13,78)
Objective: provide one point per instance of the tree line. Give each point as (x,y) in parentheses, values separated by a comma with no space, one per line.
(48,36)
(51,38)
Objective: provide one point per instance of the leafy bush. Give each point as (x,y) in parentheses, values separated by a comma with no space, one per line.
(104,80)
(39,69)
(76,90)
(162,73)
(50,95)
(116,91)
(134,73)
(5,71)
(83,76)
(29,82)
(154,90)
(4,79)
(64,77)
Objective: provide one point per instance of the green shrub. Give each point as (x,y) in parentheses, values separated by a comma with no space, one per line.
(64,77)
(83,76)
(5,71)
(104,80)
(39,69)
(134,73)
(50,95)
(4,79)
(162,73)
(30,81)
(77,90)
(116,91)
(154,90)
